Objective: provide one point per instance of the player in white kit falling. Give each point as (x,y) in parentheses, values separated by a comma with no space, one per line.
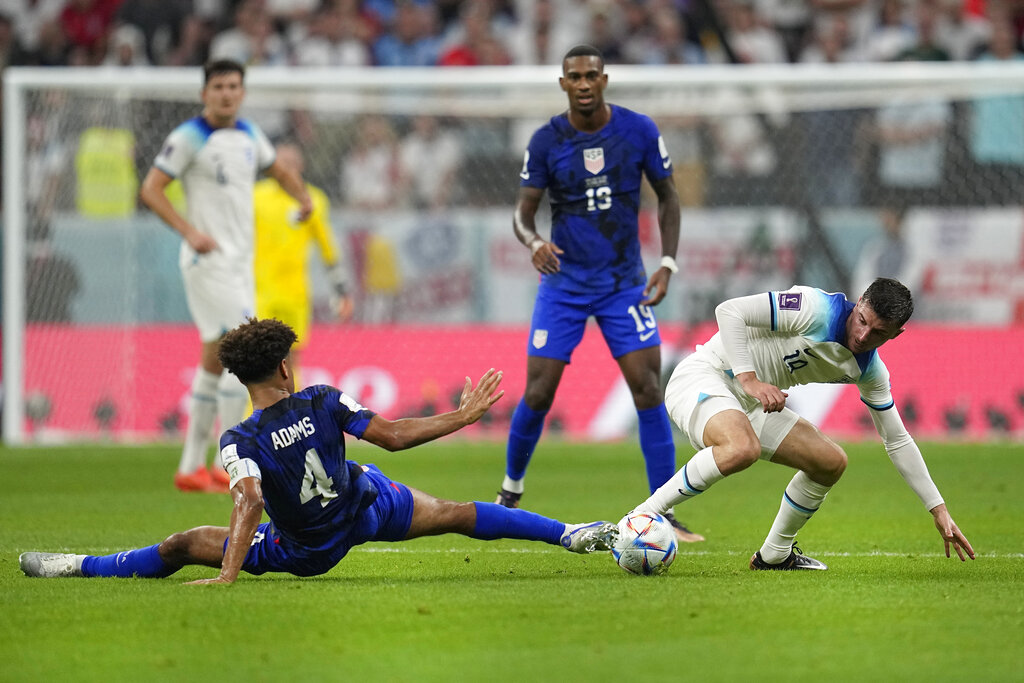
(728,398)
(217,157)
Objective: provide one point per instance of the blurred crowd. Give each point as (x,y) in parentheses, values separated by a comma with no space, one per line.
(500,32)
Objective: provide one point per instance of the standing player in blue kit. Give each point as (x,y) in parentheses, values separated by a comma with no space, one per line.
(592,160)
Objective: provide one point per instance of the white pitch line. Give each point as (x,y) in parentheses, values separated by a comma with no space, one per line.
(687,553)
(552,551)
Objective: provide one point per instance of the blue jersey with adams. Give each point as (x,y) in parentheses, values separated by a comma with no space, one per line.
(593,184)
(311,493)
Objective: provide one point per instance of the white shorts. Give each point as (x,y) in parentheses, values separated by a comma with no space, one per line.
(218,301)
(698,390)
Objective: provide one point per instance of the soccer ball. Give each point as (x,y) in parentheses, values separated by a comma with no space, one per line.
(646,544)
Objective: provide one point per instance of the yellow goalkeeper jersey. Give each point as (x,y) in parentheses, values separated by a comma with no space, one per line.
(281,253)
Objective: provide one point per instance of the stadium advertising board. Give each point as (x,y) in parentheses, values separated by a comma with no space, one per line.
(74,386)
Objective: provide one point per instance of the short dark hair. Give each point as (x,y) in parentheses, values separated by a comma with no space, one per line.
(890,300)
(253,350)
(584,51)
(217,67)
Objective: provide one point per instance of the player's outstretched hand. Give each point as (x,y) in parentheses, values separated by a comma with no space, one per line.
(545,256)
(475,402)
(656,287)
(951,533)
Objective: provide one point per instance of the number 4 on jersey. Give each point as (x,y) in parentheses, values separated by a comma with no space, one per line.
(316,482)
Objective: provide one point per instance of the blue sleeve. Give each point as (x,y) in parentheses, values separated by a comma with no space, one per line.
(535,162)
(657,162)
(227,438)
(351,417)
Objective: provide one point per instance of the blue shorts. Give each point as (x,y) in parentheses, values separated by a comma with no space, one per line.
(560,318)
(387,519)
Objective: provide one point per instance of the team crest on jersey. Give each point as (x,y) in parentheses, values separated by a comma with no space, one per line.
(540,338)
(593,159)
(790,301)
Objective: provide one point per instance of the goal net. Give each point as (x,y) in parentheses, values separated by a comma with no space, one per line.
(786,175)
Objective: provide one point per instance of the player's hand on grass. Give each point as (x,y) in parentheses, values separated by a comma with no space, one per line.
(951,533)
(771,397)
(475,402)
(545,256)
(658,284)
(204,582)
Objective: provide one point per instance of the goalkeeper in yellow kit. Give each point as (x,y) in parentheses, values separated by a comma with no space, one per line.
(281,258)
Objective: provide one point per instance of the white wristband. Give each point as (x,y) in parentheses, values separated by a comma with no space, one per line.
(670,263)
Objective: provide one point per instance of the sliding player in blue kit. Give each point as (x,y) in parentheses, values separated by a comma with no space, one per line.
(289,459)
(592,160)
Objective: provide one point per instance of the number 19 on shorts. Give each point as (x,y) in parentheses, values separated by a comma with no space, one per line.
(643,316)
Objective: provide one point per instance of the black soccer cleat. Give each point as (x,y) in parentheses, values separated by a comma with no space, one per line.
(796,560)
(508,499)
(683,534)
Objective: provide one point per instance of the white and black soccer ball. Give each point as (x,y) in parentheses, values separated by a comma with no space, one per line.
(646,544)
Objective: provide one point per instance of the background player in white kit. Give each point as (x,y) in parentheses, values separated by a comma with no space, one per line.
(217,157)
(728,398)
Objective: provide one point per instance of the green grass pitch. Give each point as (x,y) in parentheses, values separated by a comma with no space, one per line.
(891,607)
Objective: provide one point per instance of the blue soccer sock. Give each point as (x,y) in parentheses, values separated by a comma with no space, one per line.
(495,521)
(523,435)
(657,445)
(141,562)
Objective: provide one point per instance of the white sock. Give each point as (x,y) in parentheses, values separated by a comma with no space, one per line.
(202,409)
(801,499)
(512,485)
(694,478)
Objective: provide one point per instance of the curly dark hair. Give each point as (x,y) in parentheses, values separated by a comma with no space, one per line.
(253,350)
(890,300)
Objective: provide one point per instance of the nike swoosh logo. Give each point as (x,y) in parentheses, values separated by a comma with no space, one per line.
(666,163)
(647,335)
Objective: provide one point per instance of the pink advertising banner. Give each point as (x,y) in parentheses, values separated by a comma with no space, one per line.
(133,382)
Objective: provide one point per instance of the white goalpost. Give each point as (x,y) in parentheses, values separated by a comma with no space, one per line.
(781,170)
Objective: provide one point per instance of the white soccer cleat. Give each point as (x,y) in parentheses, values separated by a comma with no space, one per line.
(587,538)
(50,565)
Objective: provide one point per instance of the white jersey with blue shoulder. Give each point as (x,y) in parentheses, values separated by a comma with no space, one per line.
(796,337)
(217,168)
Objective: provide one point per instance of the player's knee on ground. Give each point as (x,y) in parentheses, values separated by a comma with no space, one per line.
(175,548)
(199,545)
(456,517)
(434,516)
